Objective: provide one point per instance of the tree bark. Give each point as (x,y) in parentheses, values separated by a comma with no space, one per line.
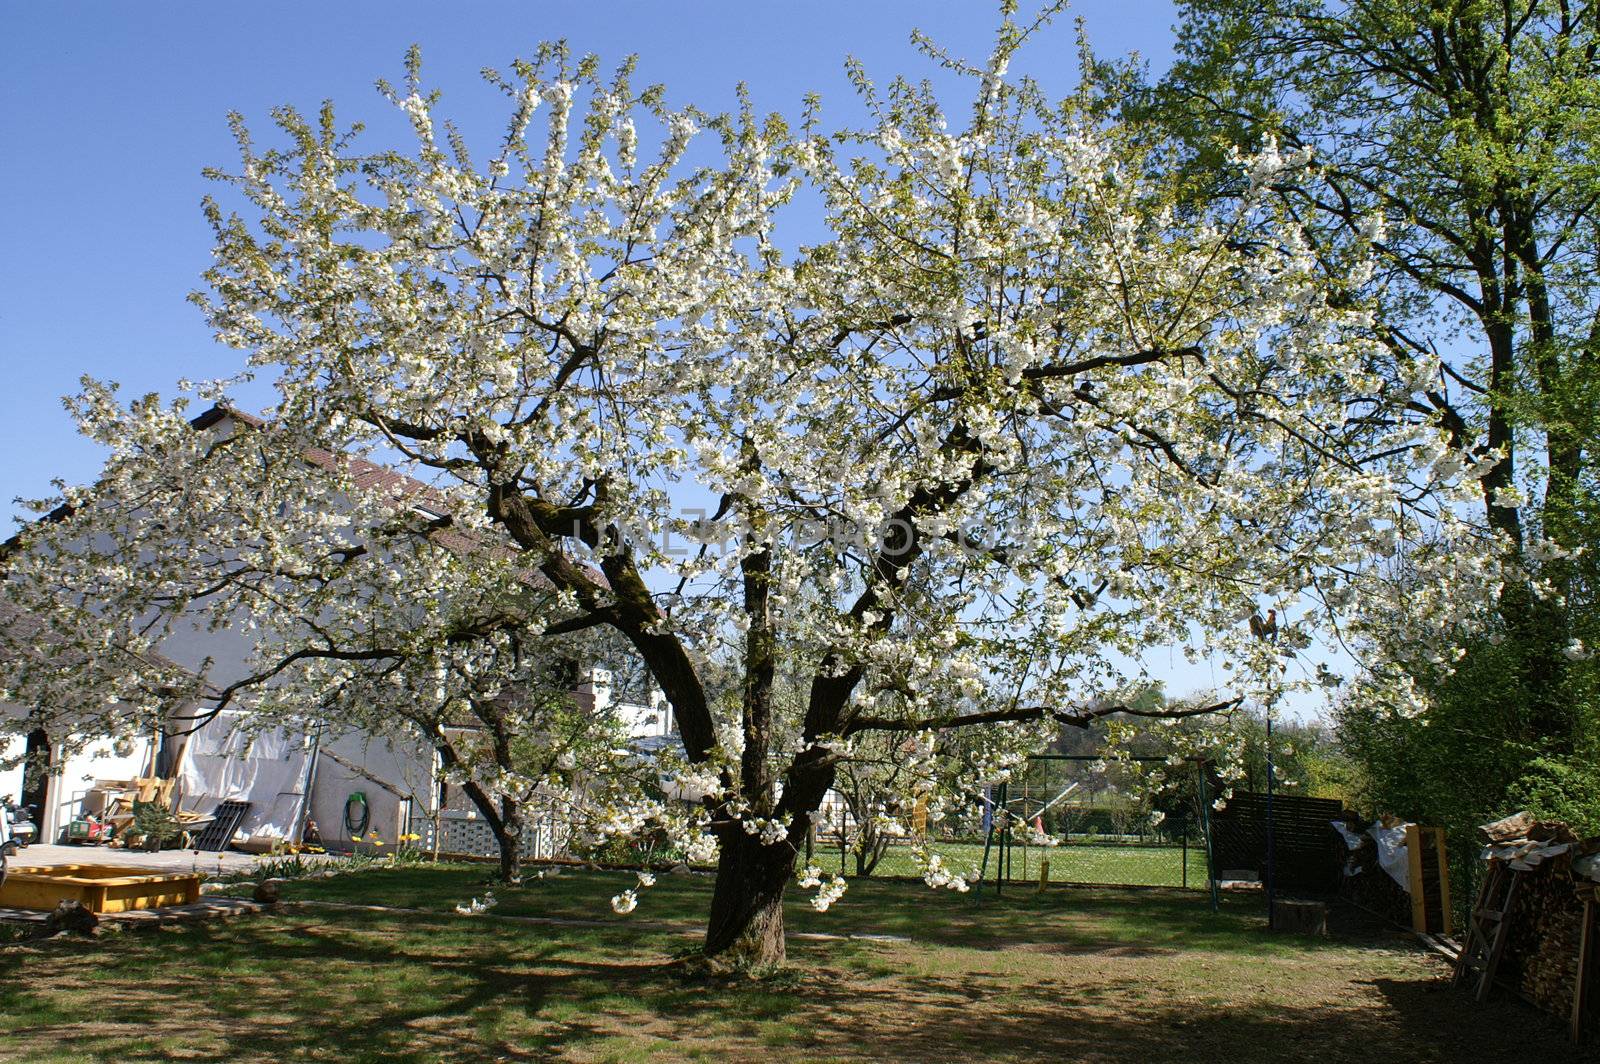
(745,930)
(504,822)
(508,836)
(505,835)
(872,849)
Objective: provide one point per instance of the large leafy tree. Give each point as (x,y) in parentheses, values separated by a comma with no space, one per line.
(1016,410)
(1468,131)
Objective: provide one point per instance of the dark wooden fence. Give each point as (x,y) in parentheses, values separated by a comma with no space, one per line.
(1308,852)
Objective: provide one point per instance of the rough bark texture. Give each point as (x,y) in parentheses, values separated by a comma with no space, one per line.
(508,836)
(504,819)
(745,930)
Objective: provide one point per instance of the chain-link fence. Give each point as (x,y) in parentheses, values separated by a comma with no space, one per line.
(1106,830)
(1106,834)
(1154,863)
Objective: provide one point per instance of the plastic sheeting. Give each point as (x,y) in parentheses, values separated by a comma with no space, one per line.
(269,768)
(1352,841)
(1392,855)
(1527,854)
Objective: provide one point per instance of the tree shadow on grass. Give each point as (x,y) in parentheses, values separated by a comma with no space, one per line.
(1388,1021)
(272,992)
(372,986)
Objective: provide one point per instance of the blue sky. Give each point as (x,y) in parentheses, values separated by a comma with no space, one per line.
(110,111)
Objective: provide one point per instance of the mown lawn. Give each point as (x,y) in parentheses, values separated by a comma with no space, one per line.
(1071,862)
(1071,975)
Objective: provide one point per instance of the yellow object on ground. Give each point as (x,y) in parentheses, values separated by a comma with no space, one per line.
(101,888)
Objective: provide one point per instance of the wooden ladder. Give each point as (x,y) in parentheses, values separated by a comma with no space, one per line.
(1486,929)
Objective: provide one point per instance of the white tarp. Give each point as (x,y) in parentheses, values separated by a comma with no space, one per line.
(225,760)
(1392,855)
(1352,842)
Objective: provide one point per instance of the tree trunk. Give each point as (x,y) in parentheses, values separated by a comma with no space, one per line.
(873,844)
(508,836)
(745,930)
(504,819)
(36,775)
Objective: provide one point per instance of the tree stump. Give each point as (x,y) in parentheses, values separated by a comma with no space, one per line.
(1300,917)
(71,915)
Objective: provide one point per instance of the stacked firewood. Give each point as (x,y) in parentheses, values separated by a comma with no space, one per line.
(1545,923)
(1542,941)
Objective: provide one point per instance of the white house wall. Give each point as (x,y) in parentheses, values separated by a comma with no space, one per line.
(642,722)
(394,776)
(404,767)
(223,652)
(74,774)
(100,761)
(10,746)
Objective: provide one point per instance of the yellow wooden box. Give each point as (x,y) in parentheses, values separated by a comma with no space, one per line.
(101,888)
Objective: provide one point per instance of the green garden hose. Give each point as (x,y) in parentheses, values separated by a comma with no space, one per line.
(356,815)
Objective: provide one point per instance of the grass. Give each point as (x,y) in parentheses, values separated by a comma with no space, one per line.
(1073,974)
(1073,862)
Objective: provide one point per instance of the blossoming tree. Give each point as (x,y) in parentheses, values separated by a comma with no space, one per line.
(1011,418)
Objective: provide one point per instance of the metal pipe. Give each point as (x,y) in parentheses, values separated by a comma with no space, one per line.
(1205,818)
(1272,915)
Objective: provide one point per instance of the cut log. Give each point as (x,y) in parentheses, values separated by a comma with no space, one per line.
(1301,917)
(71,915)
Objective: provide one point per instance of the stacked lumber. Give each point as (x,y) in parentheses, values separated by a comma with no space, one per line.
(1544,934)
(113,802)
(1542,944)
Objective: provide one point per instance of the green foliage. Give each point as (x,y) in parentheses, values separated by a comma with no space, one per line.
(1471,130)
(1566,789)
(1454,766)
(649,849)
(292,866)
(1307,758)
(152,820)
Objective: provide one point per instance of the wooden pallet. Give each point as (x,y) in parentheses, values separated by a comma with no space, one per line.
(229,815)
(1429,882)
